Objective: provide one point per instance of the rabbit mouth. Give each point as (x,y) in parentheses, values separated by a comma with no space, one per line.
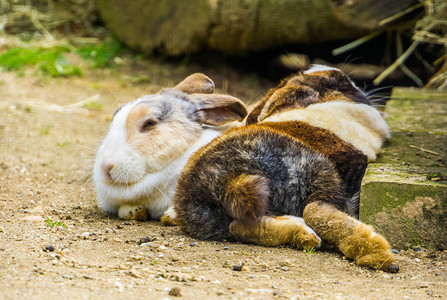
(122,184)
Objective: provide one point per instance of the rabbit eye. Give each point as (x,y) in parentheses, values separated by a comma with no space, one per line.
(148,125)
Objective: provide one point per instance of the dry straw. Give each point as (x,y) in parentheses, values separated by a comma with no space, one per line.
(48,21)
(430,28)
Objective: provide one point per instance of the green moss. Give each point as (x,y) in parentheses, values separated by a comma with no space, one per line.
(405,212)
(377,196)
(103,54)
(50,61)
(404,194)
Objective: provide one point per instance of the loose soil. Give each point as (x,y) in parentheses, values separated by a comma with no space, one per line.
(46,156)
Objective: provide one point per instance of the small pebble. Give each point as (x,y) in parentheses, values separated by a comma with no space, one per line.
(144,240)
(284,268)
(49,248)
(68,276)
(277,293)
(237,268)
(85,235)
(417,249)
(175,292)
(192,244)
(226,248)
(395,251)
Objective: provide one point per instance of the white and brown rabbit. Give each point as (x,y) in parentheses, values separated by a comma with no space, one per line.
(293,176)
(150,140)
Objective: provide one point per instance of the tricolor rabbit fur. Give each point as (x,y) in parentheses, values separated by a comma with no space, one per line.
(291,176)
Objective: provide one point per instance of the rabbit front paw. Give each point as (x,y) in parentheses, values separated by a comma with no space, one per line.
(169,217)
(133,212)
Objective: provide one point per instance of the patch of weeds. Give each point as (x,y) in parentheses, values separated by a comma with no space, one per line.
(136,79)
(226,264)
(415,238)
(102,55)
(94,86)
(24,108)
(154,262)
(434,176)
(62,144)
(50,223)
(308,252)
(49,61)
(93,105)
(44,130)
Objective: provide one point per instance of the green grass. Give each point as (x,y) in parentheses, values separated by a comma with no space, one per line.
(102,55)
(49,61)
(50,223)
(154,262)
(93,105)
(45,130)
(52,61)
(309,251)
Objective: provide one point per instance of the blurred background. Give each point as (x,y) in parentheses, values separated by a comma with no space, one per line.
(379,43)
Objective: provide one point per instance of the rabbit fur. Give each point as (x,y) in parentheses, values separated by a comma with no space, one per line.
(292,176)
(150,140)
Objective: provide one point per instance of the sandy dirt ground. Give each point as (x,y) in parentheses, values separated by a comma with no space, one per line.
(55,243)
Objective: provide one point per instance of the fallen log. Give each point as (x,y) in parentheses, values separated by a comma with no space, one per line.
(239,26)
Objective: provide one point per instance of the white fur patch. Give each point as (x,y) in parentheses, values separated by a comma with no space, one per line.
(319,68)
(171,213)
(359,124)
(154,191)
(298,221)
(131,183)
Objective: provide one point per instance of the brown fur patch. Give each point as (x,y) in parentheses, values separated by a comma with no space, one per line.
(274,231)
(134,118)
(247,195)
(287,98)
(355,240)
(329,85)
(196,83)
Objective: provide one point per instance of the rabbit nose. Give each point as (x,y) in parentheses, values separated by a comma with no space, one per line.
(107,167)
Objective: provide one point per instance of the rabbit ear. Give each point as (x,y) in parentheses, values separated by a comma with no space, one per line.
(219,109)
(196,83)
(288,97)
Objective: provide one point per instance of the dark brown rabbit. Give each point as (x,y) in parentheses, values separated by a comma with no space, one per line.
(293,176)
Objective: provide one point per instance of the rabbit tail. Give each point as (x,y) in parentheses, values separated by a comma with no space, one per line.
(246,197)
(206,213)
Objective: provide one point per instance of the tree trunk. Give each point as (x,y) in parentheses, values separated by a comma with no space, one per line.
(238,26)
